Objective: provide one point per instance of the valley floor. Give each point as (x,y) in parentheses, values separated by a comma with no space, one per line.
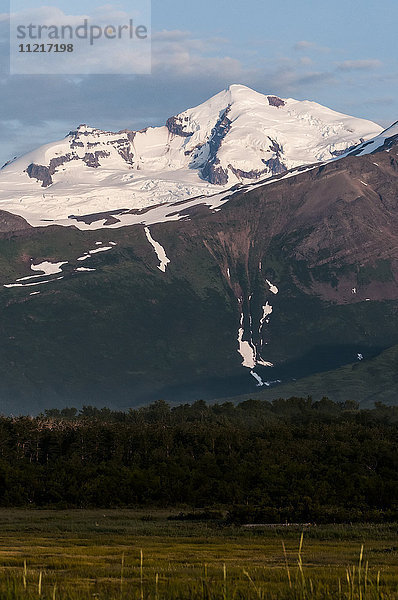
(137,554)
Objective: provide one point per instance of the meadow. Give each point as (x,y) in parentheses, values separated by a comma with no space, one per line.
(137,554)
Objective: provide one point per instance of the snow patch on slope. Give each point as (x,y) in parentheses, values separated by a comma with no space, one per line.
(267,310)
(45,269)
(101,249)
(49,268)
(13,285)
(272,287)
(246,349)
(159,250)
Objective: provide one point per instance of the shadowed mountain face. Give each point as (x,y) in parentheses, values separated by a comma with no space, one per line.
(300,273)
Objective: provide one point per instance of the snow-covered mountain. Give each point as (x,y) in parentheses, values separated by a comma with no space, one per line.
(237,136)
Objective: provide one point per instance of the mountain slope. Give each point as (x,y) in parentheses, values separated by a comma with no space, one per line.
(300,273)
(365,381)
(237,136)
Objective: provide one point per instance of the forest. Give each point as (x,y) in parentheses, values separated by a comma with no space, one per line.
(295,460)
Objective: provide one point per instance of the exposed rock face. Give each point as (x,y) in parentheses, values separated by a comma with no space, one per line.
(254,174)
(60,160)
(108,216)
(130,135)
(341,152)
(214,173)
(43,173)
(275,165)
(275,101)
(176,126)
(92,158)
(275,147)
(210,171)
(123,145)
(83,129)
(40,173)
(346,150)
(127,154)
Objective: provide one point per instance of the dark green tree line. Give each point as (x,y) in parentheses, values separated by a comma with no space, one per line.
(287,460)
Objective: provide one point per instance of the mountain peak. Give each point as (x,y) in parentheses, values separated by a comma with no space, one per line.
(83,128)
(236,136)
(238,86)
(239,93)
(237,89)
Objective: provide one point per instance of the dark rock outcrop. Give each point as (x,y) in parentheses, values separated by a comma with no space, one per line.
(253,174)
(211,171)
(275,147)
(92,158)
(60,160)
(41,173)
(109,217)
(275,165)
(130,135)
(44,173)
(176,127)
(127,154)
(275,101)
(341,152)
(214,173)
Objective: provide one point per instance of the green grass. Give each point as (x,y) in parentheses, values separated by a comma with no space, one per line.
(128,554)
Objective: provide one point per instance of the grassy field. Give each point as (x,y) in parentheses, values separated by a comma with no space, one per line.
(134,555)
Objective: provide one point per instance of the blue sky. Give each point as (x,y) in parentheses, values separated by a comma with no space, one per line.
(342,54)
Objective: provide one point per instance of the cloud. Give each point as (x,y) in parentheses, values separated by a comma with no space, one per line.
(359,65)
(167,35)
(179,54)
(290,80)
(306,60)
(187,69)
(303,45)
(182,54)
